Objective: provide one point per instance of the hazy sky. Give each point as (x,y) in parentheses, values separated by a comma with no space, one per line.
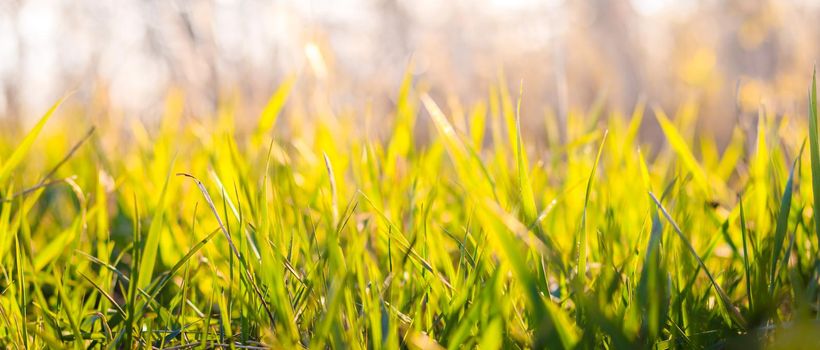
(135,49)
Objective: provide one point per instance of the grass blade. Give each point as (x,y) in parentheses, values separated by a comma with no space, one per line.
(150,247)
(682,150)
(722,294)
(271,111)
(581,243)
(782,223)
(241,259)
(744,235)
(20,152)
(524,185)
(814,147)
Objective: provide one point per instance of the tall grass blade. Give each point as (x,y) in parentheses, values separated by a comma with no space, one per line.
(20,152)
(744,236)
(782,223)
(814,147)
(581,242)
(272,110)
(524,185)
(150,248)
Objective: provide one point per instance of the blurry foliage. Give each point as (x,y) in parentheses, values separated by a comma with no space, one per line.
(721,54)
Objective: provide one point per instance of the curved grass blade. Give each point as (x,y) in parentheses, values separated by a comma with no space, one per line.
(156,286)
(243,263)
(271,112)
(581,242)
(524,185)
(682,150)
(722,294)
(553,328)
(21,150)
(104,294)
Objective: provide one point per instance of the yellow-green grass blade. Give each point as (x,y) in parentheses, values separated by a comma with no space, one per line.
(234,250)
(54,248)
(727,302)
(394,232)
(782,223)
(581,243)
(746,252)
(524,185)
(465,159)
(272,109)
(680,147)
(20,152)
(761,178)
(652,288)
(731,155)
(156,286)
(150,248)
(401,142)
(104,294)
(814,147)
(635,122)
(552,327)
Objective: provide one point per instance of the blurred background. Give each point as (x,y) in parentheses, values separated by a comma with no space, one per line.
(729,56)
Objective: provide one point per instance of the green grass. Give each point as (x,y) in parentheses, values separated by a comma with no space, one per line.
(202,233)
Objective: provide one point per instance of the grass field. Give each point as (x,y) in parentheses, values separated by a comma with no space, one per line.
(196,235)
